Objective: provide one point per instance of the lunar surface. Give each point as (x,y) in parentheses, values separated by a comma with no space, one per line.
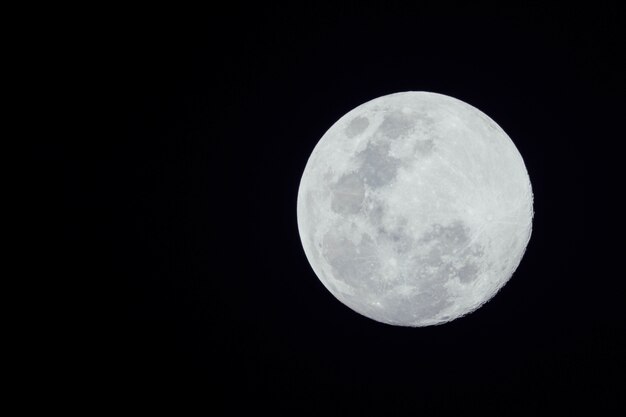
(414,209)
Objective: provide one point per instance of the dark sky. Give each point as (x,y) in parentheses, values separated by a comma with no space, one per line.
(216,306)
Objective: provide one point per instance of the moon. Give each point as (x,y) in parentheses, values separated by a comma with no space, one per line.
(414,209)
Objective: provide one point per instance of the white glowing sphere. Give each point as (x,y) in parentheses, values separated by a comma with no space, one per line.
(414,209)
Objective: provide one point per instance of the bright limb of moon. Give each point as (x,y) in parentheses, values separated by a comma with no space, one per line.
(414,209)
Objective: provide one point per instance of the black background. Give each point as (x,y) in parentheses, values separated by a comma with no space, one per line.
(213,304)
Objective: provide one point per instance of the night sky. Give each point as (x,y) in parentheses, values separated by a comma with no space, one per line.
(215,305)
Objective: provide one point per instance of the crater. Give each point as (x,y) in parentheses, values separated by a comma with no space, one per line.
(356,126)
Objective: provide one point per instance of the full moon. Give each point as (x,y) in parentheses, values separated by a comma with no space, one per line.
(414,209)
